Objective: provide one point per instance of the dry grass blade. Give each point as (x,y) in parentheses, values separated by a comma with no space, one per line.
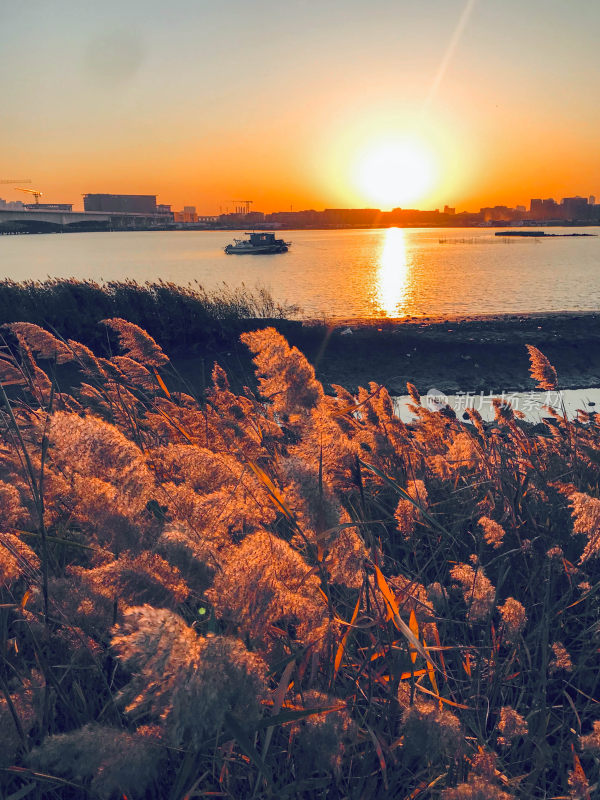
(278,697)
(245,744)
(272,490)
(401,626)
(580,777)
(415,673)
(285,717)
(41,776)
(404,494)
(175,424)
(441,699)
(380,756)
(340,651)
(414,626)
(161,383)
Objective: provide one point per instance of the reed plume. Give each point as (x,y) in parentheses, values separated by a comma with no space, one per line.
(137,344)
(493,532)
(541,370)
(288,592)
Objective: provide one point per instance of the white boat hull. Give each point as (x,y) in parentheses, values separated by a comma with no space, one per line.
(260,243)
(243,250)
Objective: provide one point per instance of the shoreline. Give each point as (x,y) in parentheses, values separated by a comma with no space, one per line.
(452,353)
(458,317)
(479,353)
(513,230)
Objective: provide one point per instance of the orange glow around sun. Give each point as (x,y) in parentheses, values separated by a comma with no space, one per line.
(397,172)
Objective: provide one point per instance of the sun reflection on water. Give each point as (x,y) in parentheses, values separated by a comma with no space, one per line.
(392,280)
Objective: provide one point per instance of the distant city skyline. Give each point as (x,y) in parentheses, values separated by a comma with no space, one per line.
(536,208)
(334,104)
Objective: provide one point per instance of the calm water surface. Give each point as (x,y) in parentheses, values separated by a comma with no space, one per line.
(340,274)
(533,405)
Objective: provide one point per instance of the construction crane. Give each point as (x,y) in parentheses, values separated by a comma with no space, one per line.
(34,192)
(245,208)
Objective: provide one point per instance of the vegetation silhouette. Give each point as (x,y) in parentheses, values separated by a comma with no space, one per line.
(284,593)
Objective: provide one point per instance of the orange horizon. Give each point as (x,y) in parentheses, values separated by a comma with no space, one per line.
(271,203)
(287,112)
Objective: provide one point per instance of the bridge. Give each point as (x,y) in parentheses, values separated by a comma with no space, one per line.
(45,220)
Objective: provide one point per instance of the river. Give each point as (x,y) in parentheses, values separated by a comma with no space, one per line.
(339,274)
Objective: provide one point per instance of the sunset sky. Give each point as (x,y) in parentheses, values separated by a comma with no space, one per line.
(309,104)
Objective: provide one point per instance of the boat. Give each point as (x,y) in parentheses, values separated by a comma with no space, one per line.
(258,244)
(540,233)
(521,233)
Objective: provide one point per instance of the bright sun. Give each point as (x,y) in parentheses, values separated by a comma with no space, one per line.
(396,173)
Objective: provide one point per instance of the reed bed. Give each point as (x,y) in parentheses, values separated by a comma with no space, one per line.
(288,593)
(177,316)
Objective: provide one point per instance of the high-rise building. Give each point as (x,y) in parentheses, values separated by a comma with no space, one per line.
(121,203)
(497,214)
(187,215)
(574,208)
(544,209)
(11,205)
